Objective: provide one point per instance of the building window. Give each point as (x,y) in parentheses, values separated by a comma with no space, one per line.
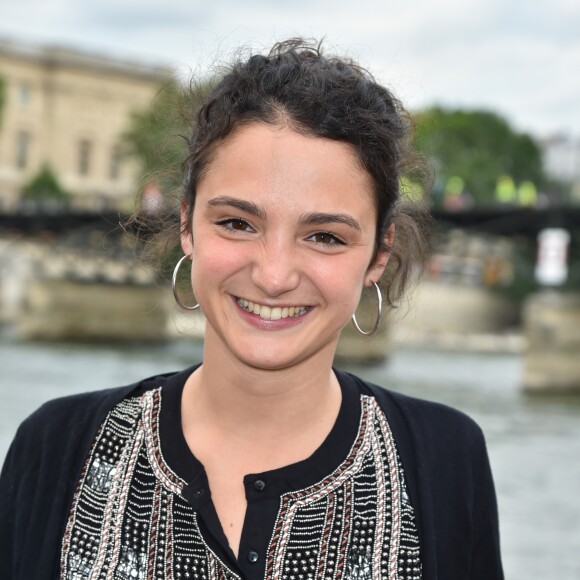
(22,149)
(85,148)
(115,163)
(23,94)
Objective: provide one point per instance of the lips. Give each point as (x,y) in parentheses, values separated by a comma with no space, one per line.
(271,313)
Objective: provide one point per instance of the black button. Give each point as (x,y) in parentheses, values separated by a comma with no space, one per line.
(259,485)
(253,557)
(198,493)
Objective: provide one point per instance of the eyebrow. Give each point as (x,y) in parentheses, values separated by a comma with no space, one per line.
(316,218)
(330,218)
(243,205)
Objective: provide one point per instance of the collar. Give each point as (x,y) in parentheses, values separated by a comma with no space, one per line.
(259,486)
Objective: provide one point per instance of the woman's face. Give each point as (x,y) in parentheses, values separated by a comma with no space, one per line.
(283,234)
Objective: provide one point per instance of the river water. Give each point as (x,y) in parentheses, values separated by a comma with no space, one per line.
(534,442)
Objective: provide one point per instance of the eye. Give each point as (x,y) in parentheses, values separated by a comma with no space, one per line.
(326,239)
(235,224)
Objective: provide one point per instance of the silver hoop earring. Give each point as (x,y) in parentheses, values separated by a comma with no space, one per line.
(174,287)
(379,314)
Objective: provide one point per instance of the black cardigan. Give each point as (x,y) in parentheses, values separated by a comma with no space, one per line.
(442,450)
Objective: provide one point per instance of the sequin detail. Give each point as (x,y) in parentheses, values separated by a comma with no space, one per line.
(129,521)
(356,524)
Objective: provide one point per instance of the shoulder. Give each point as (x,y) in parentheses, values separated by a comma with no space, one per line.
(429,424)
(429,415)
(74,407)
(75,417)
(66,416)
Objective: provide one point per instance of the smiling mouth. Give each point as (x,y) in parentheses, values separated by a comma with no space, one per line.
(268,313)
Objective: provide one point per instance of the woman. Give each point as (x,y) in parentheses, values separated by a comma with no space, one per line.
(264,461)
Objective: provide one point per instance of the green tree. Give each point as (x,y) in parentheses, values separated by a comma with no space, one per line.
(157,136)
(478,147)
(44,187)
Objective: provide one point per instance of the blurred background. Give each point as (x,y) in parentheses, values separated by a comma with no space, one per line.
(91,109)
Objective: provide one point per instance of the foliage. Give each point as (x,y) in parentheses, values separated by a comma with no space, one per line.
(45,186)
(157,136)
(478,147)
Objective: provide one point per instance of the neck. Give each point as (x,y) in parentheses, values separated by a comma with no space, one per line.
(247,402)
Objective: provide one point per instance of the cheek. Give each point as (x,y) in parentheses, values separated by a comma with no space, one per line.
(215,261)
(341,280)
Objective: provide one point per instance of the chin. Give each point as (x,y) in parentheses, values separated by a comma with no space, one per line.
(270,362)
(284,356)
(270,351)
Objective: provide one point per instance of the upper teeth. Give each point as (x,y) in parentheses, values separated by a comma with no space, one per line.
(272,313)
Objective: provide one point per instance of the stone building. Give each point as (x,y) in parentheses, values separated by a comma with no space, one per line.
(68,109)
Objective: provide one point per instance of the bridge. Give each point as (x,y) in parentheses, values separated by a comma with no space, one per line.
(505,221)
(512,221)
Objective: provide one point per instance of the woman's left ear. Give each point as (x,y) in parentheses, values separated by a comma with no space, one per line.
(377,268)
(186,239)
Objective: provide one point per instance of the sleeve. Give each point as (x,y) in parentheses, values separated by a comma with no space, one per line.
(486,557)
(7,492)
(18,473)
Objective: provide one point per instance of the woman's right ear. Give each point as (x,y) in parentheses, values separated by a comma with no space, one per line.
(185,229)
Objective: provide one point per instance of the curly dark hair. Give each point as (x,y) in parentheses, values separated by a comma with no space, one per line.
(330,97)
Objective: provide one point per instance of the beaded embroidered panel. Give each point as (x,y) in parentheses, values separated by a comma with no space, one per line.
(128,520)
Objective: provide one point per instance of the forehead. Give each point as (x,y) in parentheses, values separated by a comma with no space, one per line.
(280,167)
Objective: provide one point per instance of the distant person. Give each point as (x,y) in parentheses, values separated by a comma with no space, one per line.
(264,461)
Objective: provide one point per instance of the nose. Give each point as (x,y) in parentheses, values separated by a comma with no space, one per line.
(275,269)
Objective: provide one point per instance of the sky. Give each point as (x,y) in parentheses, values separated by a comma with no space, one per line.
(519,58)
